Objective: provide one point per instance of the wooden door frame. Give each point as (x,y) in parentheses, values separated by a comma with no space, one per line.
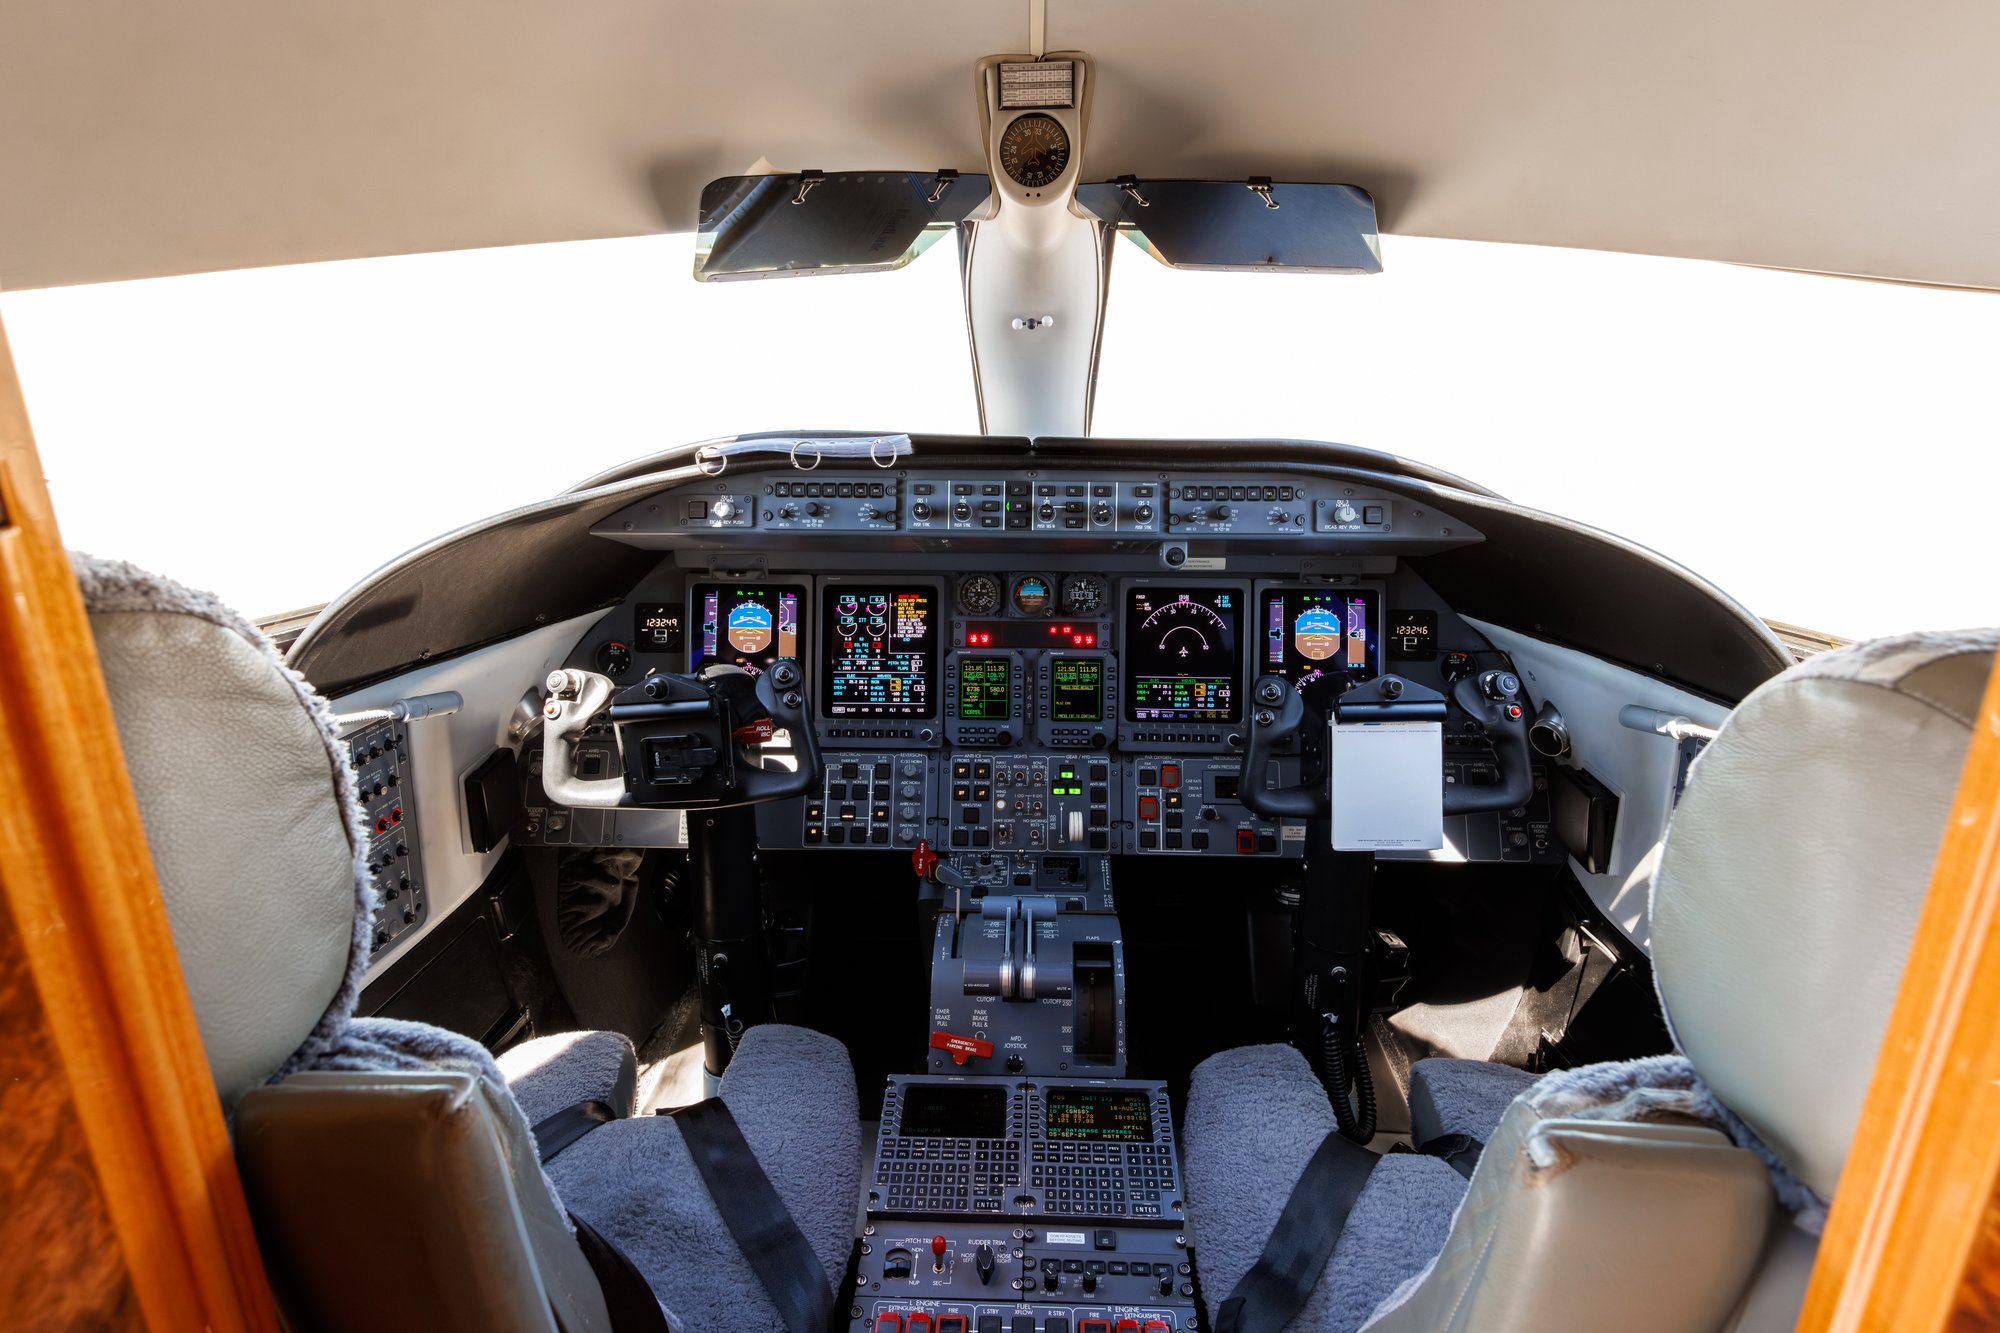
(78,878)
(1912,1242)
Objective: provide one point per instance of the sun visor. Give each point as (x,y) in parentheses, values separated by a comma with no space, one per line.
(807,223)
(1255,226)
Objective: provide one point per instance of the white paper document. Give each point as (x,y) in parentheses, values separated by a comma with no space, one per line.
(1388,786)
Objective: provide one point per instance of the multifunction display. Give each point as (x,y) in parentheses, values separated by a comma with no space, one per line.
(1183,654)
(1321,639)
(751,625)
(985,689)
(947,1111)
(879,650)
(1076,689)
(1105,1115)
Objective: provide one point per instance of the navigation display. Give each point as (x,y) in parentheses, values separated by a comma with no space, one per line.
(1076,689)
(1183,654)
(985,689)
(878,650)
(1108,1115)
(1323,640)
(749,624)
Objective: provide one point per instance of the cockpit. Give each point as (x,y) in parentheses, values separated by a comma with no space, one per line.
(1028,880)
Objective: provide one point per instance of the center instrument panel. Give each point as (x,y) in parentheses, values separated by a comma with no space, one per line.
(1072,679)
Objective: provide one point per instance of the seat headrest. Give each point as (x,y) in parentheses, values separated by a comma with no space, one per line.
(1793,873)
(251,814)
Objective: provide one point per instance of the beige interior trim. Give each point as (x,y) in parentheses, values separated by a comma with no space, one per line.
(140,140)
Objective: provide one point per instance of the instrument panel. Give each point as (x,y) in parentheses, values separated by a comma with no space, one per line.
(1010,692)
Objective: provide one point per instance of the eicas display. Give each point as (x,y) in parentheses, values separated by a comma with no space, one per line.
(1183,654)
(879,651)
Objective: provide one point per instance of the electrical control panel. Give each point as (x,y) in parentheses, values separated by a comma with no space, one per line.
(881,801)
(389,811)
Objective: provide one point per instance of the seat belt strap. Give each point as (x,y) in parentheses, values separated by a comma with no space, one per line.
(763,1229)
(1278,1285)
(568,1125)
(1462,1151)
(628,1297)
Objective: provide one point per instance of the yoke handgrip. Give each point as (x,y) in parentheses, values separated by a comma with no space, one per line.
(1277,712)
(1506,721)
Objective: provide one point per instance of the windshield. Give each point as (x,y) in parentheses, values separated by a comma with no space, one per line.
(1823,449)
(273,435)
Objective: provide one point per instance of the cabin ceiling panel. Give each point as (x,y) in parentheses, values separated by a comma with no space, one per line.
(139,140)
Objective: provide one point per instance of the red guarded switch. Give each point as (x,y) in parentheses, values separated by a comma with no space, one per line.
(1246,841)
(1158,1326)
(1149,807)
(888,1323)
(1094,1326)
(920,1322)
(1128,1326)
(951,1323)
(1170,776)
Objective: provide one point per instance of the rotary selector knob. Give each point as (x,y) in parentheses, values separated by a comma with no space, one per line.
(1345,513)
(1101,512)
(724,510)
(961,511)
(1144,513)
(1223,513)
(920,511)
(815,509)
(789,512)
(1047,512)
(1500,685)
(866,513)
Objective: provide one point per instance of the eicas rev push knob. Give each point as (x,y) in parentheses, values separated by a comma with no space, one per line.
(723,510)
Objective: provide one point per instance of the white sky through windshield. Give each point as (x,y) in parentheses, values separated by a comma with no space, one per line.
(1825,450)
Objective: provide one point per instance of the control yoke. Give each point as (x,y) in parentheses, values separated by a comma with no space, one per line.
(1279,714)
(684,739)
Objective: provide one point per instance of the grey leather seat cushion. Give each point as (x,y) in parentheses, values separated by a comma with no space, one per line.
(792,1091)
(1461,1097)
(1255,1115)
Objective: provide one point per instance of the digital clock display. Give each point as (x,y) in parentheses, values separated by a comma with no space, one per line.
(1413,635)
